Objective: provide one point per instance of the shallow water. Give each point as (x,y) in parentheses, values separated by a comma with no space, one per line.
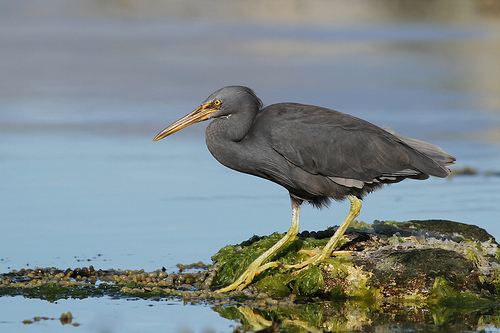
(82,95)
(111,315)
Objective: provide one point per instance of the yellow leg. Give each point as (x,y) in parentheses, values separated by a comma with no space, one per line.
(333,242)
(258,266)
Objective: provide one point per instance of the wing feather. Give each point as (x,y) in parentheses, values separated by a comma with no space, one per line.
(347,149)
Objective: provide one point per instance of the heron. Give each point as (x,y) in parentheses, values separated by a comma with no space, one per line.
(316,153)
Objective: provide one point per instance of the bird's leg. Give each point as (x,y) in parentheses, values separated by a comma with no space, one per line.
(327,251)
(258,266)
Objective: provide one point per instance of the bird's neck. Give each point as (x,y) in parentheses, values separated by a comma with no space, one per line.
(233,127)
(225,137)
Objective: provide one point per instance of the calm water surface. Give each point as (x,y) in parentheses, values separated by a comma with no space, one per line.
(82,183)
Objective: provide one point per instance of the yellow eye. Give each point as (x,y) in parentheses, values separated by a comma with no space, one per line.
(217,102)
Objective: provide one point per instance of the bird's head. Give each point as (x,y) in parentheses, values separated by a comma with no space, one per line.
(222,103)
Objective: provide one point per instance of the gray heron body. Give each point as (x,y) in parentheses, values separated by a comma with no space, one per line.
(317,154)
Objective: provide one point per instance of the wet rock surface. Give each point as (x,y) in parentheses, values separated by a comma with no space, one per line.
(430,270)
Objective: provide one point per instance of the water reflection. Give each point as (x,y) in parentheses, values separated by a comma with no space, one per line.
(351,316)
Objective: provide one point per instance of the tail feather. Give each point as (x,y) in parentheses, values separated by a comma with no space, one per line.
(434,152)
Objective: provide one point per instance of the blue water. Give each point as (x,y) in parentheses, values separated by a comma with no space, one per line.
(82,183)
(110,315)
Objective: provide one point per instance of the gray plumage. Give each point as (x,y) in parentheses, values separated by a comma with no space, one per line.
(316,153)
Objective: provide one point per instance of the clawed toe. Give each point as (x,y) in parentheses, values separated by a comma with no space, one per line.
(342,253)
(310,252)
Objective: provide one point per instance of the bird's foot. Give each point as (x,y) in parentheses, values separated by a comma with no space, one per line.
(314,252)
(316,257)
(310,252)
(312,261)
(247,277)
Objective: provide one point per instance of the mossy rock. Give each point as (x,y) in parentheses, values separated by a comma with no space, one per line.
(446,229)
(389,260)
(414,271)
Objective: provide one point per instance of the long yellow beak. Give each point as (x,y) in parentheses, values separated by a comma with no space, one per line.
(201,113)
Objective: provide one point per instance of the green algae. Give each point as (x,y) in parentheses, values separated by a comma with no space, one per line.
(309,282)
(233,260)
(276,285)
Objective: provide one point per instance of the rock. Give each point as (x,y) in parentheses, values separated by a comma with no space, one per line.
(403,260)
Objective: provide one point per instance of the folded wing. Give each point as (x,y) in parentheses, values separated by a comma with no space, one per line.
(349,150)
